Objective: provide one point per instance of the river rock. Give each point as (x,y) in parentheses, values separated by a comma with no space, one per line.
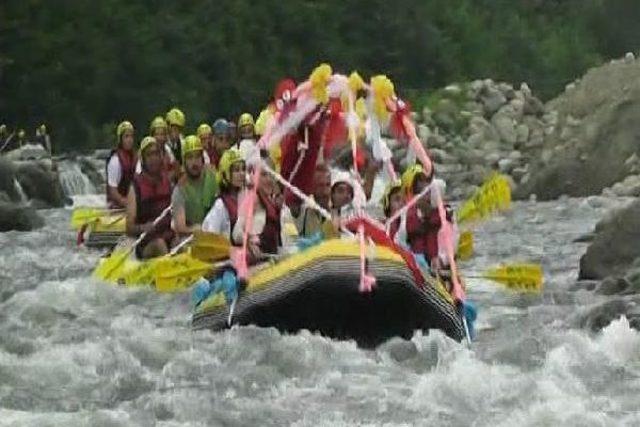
(615,246)
(40,182)
(630,187)
(7,180)
(18,217)
(506,127)
(601,117)
(506,165)
(492,99)
(612,286)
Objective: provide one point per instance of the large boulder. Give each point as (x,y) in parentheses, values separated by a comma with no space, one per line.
(595,134)
(18,217)
(39,181)
(615,246)
(7,180)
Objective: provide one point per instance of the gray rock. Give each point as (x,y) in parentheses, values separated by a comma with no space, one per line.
(612,286)
(522,134)
(492,159)
(39,182)
(525,90)
(506,128)
(492,99)
(629,57)
(19,218)
(506,165)
(533,106)
(519,173)
(615,247)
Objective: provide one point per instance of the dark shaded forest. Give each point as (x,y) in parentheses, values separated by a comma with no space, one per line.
(81,66)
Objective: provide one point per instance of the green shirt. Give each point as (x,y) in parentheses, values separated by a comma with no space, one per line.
(196,196)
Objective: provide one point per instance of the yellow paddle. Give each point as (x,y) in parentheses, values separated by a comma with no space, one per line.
(210,247)
(494,195)
(84,215)
(526,278)
(110,268)
(465,246)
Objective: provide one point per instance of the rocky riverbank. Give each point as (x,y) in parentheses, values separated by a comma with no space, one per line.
(25,186)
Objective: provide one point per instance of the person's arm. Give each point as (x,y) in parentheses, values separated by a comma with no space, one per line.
(131,213)
(114,175)
(370,173)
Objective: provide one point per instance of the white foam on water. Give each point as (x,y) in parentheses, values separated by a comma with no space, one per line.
(76,351)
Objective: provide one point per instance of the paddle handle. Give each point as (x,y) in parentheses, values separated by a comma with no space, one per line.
(153,226)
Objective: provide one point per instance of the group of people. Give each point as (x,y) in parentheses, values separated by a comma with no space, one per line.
(12,140)
(174,185)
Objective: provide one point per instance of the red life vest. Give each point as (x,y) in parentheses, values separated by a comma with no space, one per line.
(128,160)
(231,203)
(422,233)
(214,158)
(152,198)
(270,238)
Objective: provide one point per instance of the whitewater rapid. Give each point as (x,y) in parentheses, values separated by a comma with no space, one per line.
(74,351)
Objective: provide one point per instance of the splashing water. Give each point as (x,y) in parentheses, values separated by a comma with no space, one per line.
(78,352)
(74,181)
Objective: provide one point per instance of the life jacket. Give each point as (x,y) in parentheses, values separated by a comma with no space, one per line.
(198,196)
(128,160)
(270,238)
(422,233)
(152,198)
(231,203)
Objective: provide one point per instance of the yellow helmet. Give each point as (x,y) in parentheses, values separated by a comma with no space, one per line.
(386,196)
(409,176)
(21,133)
(245,119)
(263,119)
(147,141)
(157,123)
(228,159)
(190,144)
(175,117)
(203,130)
(122,128)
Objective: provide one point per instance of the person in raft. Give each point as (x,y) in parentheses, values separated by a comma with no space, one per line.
(392,201)
(148,198)
(176,120)
(422,221)
(196,190)
(308,220)
(121,167)
(265,234)
(231,179)
(221,142)
(342,195)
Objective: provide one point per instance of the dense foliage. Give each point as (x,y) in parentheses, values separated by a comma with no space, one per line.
(81,66)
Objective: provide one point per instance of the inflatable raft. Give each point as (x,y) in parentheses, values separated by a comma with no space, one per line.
(318,290)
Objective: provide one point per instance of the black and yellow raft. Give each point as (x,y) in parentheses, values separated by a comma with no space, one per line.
(318,290)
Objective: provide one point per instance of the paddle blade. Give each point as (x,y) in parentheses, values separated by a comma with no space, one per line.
(465,246)
(110,269)
(82,216)
(209,247)
(179,272)
(518,277)
(494,195)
